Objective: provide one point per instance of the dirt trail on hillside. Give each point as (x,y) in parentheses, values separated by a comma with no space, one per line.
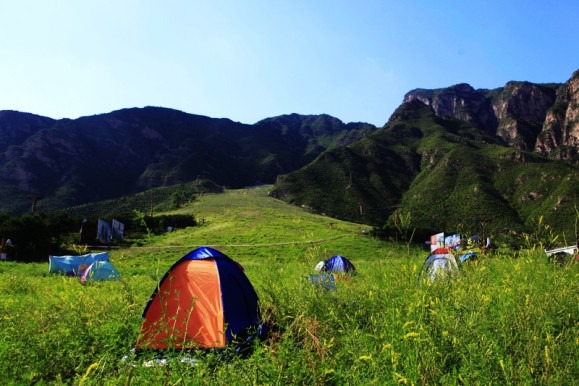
(245,245)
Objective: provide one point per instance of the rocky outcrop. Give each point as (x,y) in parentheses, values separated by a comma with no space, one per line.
(535,117)
(460,102)
(559,137)
(520,110)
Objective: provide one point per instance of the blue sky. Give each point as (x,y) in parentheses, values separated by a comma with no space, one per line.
(251,59)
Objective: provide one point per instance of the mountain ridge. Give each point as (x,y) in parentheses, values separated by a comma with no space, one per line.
(355,171)
(462,169)
(69,162)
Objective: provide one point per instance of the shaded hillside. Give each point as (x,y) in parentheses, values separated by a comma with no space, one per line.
(442,173)
(62,163)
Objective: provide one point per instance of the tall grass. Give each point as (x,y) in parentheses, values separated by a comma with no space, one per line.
(503,320)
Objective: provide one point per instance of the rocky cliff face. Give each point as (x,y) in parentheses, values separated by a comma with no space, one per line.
(559,136)
(534,117)
(460,102)
(520,109)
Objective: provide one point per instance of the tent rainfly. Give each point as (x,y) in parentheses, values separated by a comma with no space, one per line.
(100,270)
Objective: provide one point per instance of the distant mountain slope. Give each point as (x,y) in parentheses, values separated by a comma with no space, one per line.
(71,162)
(448,159)
(450,173)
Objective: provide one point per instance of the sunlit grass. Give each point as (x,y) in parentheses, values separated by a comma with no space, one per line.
(504,320)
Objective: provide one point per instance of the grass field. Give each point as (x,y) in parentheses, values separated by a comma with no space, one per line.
(504,320)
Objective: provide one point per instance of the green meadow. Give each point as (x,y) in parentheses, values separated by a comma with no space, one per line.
(508,318)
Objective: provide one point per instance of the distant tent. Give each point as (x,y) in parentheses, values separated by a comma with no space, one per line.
(338,264)
(71,265)
(469,256)
(203,301)
(439,264)
(100,270)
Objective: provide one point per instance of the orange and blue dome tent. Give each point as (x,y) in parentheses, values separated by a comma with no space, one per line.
(205,300)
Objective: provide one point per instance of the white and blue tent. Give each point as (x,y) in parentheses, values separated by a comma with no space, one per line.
(440,264)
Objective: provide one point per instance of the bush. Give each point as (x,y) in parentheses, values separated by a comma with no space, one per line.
(35,236)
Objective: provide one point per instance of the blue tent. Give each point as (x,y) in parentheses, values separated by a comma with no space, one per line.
(203,301)
(71,265)
(100,270)
(338,264)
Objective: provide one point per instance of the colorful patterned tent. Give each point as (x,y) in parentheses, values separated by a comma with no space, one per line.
(440,264)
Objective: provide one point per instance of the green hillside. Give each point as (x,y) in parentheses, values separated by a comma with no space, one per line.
(440,173)
(151,201)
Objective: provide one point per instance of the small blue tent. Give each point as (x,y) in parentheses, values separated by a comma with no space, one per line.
(72,264)
(338,264)
(203,301)
(100,270)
